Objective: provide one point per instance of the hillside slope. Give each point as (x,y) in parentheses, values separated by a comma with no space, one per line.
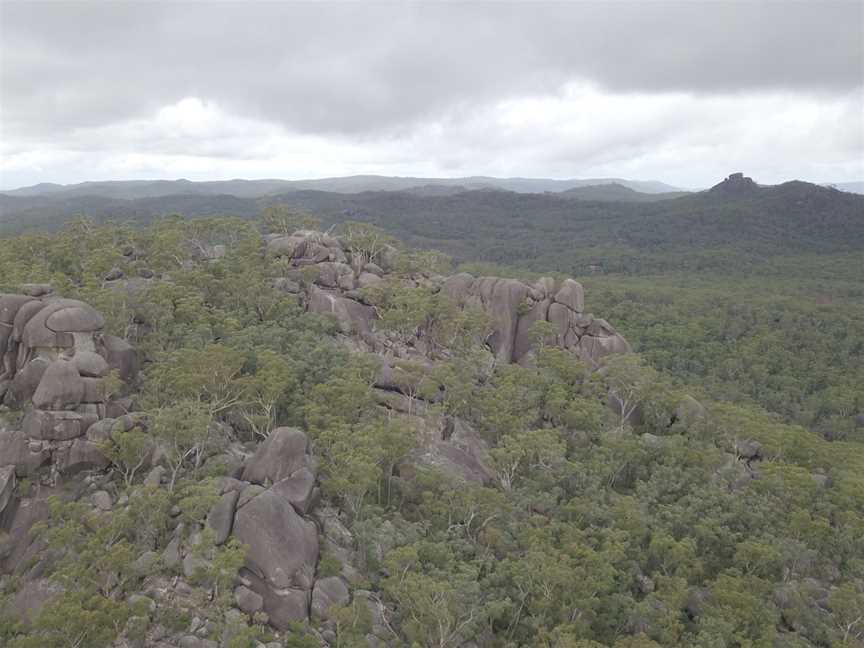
(322,439)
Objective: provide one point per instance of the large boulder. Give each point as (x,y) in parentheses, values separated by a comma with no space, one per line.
(284,607)
(47,425)
(221,516)
(60,388)
(25,383)
(328,592)
(121,356)
(79,318)
(298,489)
(277,457)
(81,455)
(350,315)
(90,364)
(17,450)
(572,295)
(283,547)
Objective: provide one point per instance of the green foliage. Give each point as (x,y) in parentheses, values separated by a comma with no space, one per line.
(591,532)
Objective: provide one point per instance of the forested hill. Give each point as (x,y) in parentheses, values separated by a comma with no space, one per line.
(707,229)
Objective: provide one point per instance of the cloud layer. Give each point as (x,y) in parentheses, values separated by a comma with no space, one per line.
(678,92)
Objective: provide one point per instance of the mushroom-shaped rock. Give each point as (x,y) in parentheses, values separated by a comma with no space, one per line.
(60,388)
(283,547)
(278,456)
(328,592)
(90,364)
(80,317)
(572,295)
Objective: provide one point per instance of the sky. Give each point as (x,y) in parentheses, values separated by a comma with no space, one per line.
(685,92)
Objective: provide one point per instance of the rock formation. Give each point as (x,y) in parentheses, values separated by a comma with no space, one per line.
(338,274)
(54,356)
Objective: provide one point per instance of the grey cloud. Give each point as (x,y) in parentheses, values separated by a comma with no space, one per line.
(363,69)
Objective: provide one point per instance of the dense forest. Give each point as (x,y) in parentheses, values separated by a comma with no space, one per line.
(706,491)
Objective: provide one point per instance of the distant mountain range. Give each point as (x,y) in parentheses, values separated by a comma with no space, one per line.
(132,189)
(609,225)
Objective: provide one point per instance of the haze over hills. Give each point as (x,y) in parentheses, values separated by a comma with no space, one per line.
(131,189)
(603,226)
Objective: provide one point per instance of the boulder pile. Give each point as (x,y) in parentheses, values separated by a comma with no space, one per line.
(334,276)
(54,357)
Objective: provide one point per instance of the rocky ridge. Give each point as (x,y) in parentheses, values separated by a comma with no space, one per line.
(55,356)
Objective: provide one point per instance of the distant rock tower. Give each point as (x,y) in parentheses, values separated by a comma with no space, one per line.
(735,185)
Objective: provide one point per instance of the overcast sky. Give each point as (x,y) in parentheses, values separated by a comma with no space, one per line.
(679,92)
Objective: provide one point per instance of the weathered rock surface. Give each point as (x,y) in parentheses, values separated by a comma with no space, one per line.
(328,592)
(53,356)
(221,517)
(277,457)
(283,547)
(513,306)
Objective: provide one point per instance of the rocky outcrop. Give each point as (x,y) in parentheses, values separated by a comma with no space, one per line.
(53,357)
(329,276)
(735,185)
(515,307)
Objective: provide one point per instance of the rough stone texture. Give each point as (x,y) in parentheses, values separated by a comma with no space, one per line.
(571,295)
(327,592)
(15,449)
(247,600)
(83,318)
(221,516)
(350,315)
(52,426)
(122,357)
(299,489)
(503,300)
(101,500)
(25,382)
(277,457)
(30,598)
(7,485)
(61,387)
(689,411)
(283,547)
(457,450)
(749,449)
(283,606)
(90,364)
(36,289)
(82,455)
(19,548)
(515,307)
